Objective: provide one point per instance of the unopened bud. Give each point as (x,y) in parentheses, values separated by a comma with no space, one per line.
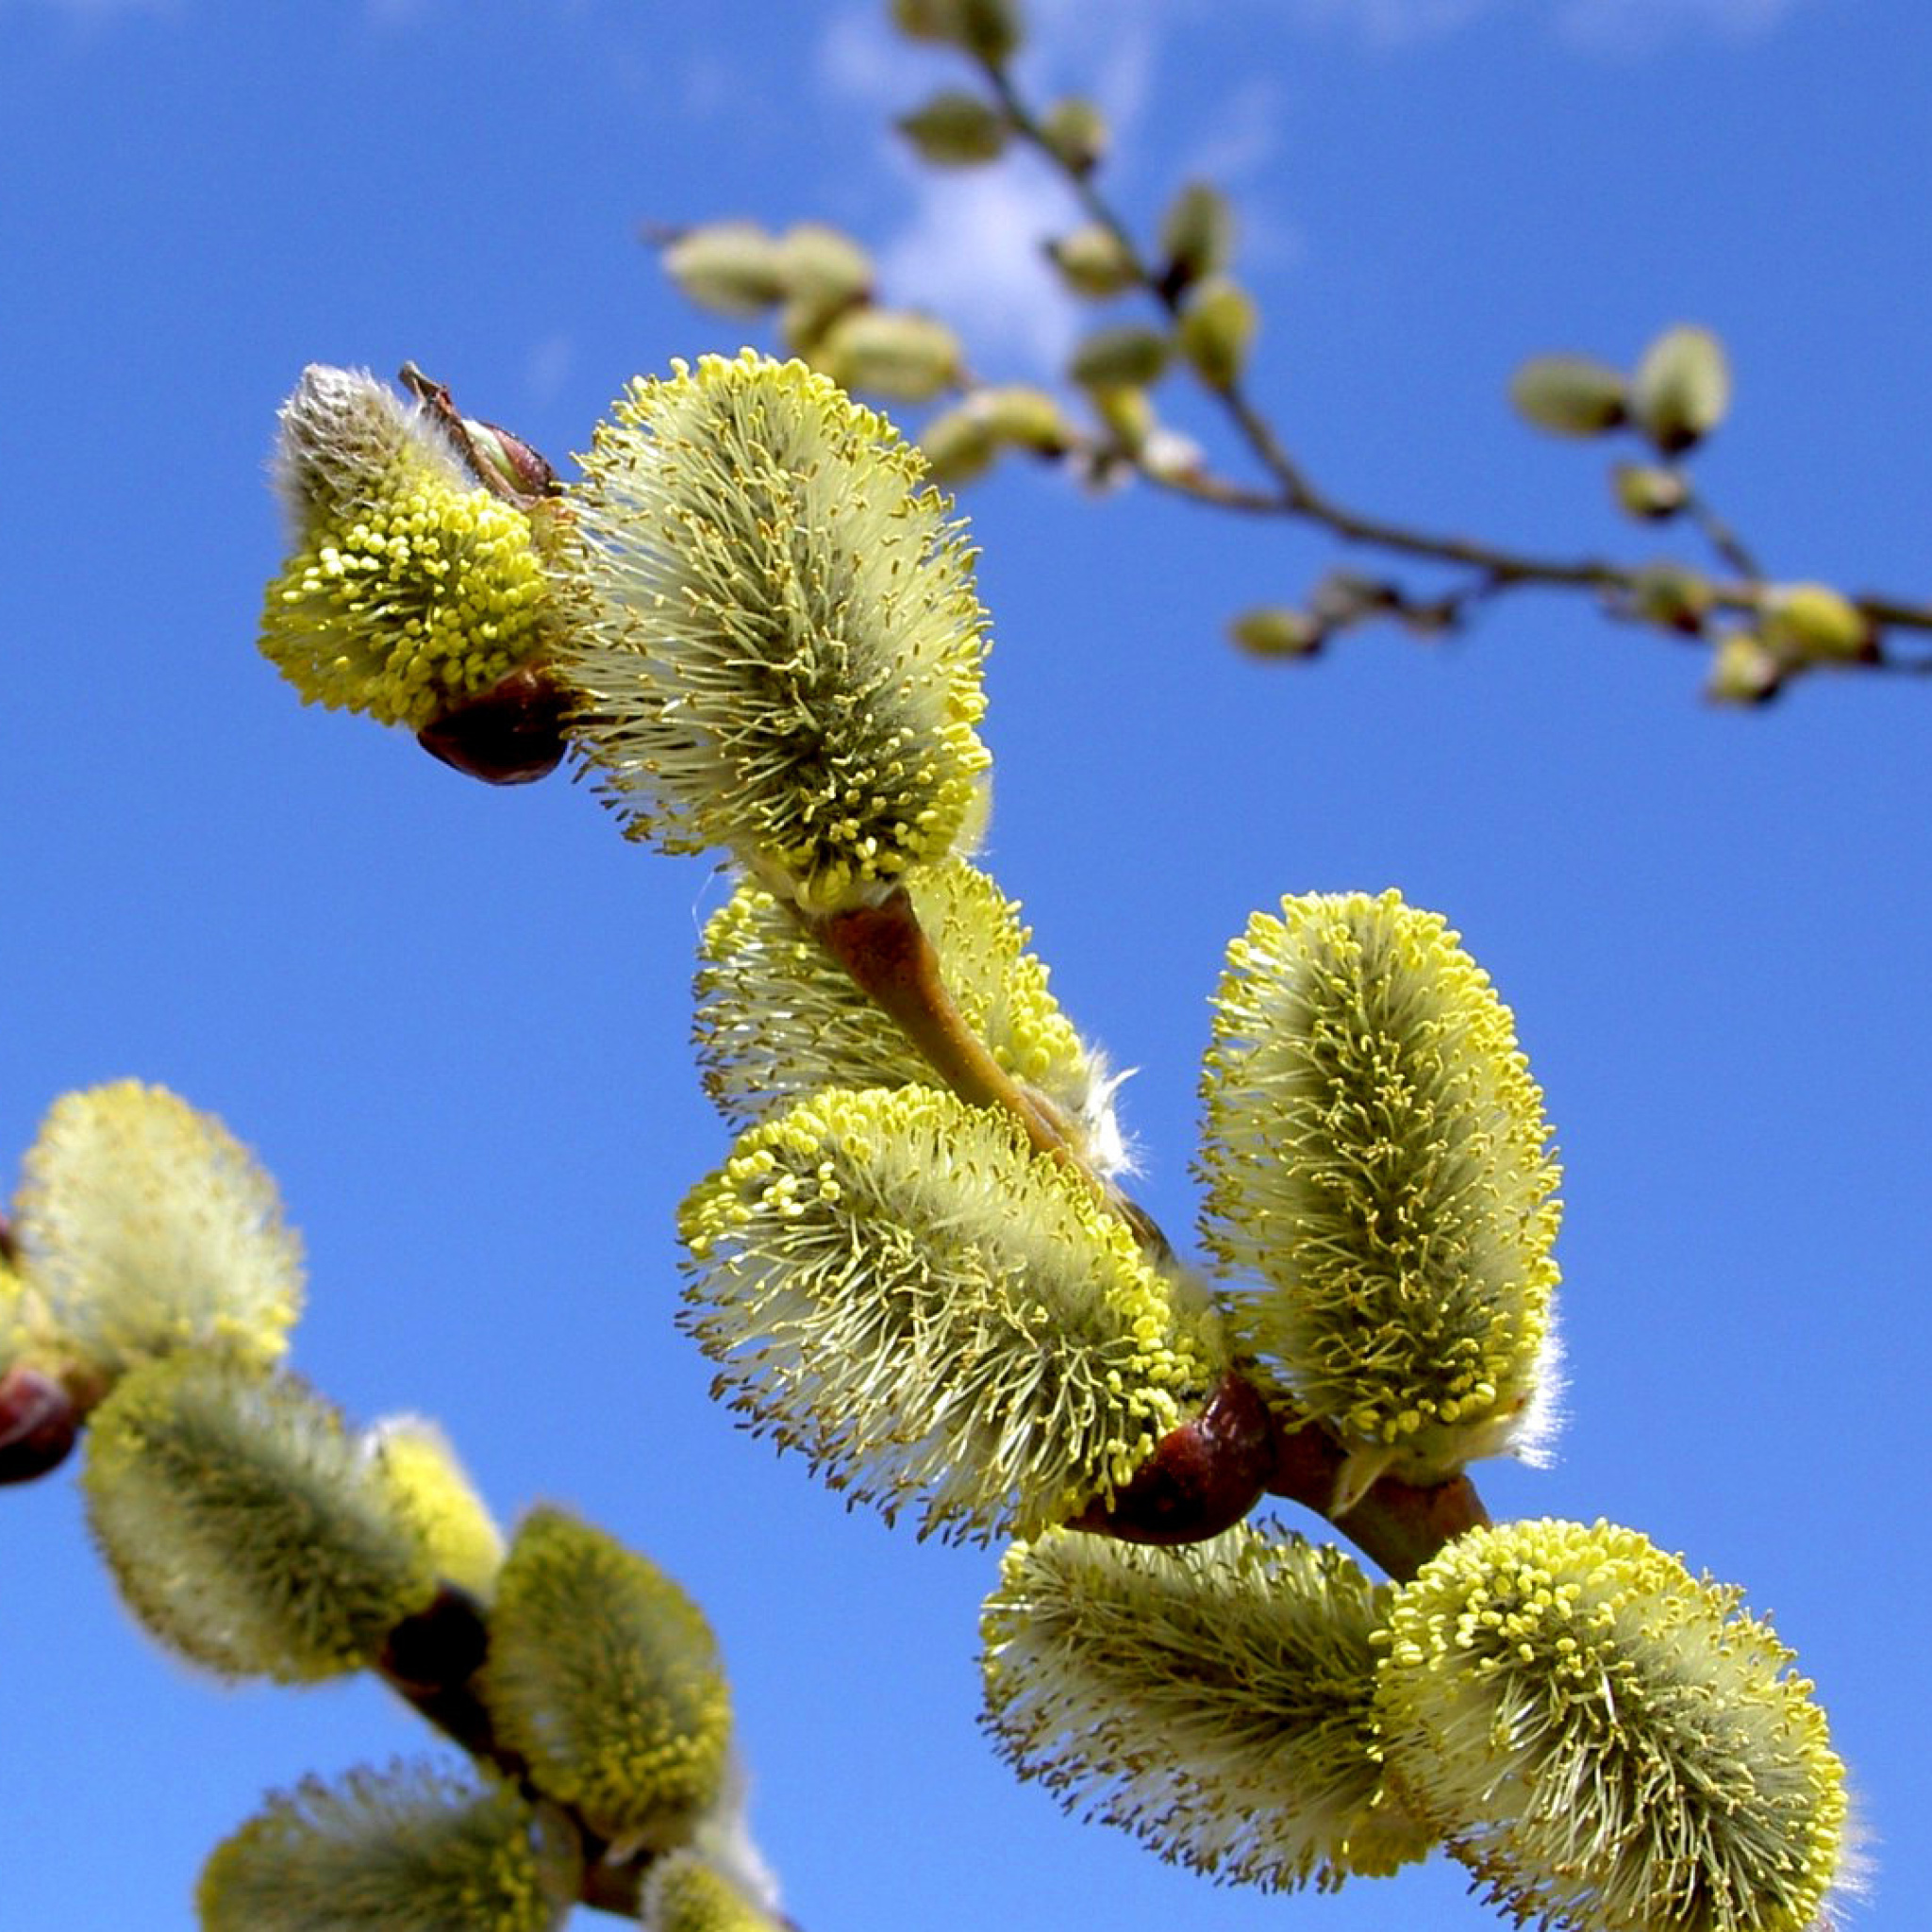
(1743,671)
(1569,395)
(1649,491)
(1682,388)
(38,1424)
(511,734)
(735,267)
(1093,260)
(1127,355)
(1276,630)
(1815,625)
(1076,132)
(955,129)
(822,266)
(891,353)
(1217,328)
(959,445)
(1672,597)
(989,29)
(1128,414)
(1024,418)
(1196,235)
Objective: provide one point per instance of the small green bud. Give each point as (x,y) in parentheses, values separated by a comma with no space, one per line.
(605,1677)
(822,267)
(889,352)
(1217,328)
(989,29)
(1075,131)
(1276,630)
(1217,1700)
(246,1528)
(1671,597)
(736,268)
(1681,389)
(1024,418)
(1094,261)
(1650,492)
(958,446)
(1128,354)
(149,1228)
(411,1849)
(1744,669)
(459,1536)
(1128,414)
(955,129)
(779,647)
(1196,235)
(1813,624)
(1606,1740)
(1570,395)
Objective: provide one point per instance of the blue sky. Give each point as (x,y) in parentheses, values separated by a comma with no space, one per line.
(454,1021)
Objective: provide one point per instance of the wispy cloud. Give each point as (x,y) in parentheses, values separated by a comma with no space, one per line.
(1634,26)
(1392,22)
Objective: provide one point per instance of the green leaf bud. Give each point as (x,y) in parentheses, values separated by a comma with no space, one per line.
(1681,389)
(685,1892)
(1672,597)
(1649,492)
(1376,1150)
(605,1677)
(894,1283)
(1196,235)
(411,587)
(1216,330)
(1570,395)
(148,1227)
(1813,624)
(989,29)
(958,446)
(1024,418)
(889,352)
(1127,355)
(955,129)
(1093,260)
(411,1848)
(459,1536)
(778,1018)
(1217,1700)
(1744,669)
(246,1528)
(823,266)
(736,268)
(1276,630)
(782,650)
(1076,132)
(1607,1742)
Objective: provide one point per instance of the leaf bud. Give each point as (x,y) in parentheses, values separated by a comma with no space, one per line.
(1217,328)
(1196,236)
(1076,132)
(1277,631)
(1650,492)
(1093,260)
(889,352)
(1570,395)
(1128,414)
(1681,389)
(987,29)
(735,267)
(1024,418)
(1813,624)
(1671,597)
(822,267)
(1744,669)
(1128,354)
(956,129)
(957,444)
